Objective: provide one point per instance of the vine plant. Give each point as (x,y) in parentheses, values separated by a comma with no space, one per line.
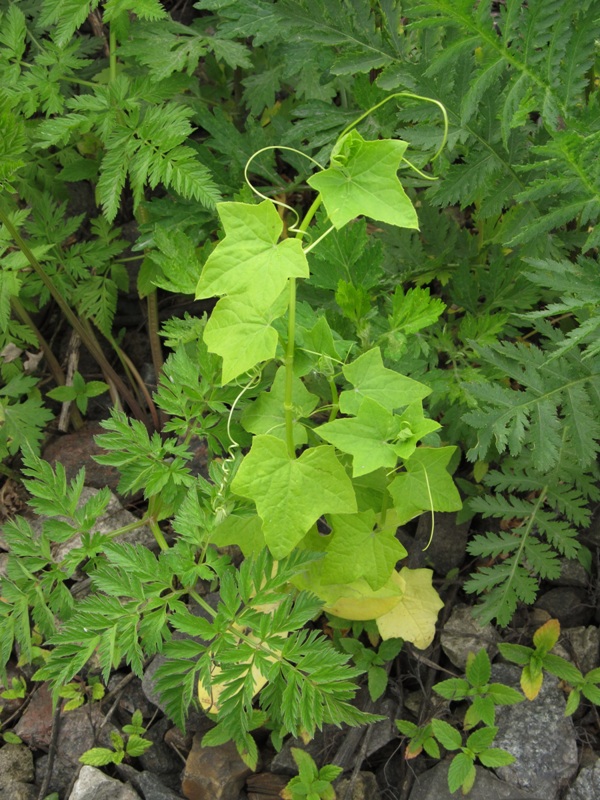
(339,454)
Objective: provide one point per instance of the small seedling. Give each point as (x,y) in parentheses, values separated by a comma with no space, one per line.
(461,774)
(475,686)
(311,783)
(80,391)
(135,745)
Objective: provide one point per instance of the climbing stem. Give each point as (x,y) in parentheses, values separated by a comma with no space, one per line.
(291,339)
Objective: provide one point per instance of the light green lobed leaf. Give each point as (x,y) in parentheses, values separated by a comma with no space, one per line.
(371,379)
(426,485)
(267,415)
(241,334)
(248,261)
(291,494)
(362,180)
(358,551)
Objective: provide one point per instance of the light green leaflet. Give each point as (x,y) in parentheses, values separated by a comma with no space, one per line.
(352,536)
(377,438)
(291,494)
(241,335)
(371,379)
(267,414)
(362,180)
(426,485)
(248,261)
(367,437)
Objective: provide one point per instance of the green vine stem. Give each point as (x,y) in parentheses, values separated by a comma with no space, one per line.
(291,340)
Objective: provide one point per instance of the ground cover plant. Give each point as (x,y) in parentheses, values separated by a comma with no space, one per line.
(357,337)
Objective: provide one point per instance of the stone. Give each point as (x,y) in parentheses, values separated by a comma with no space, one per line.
(214,773)
(265,785)
(147,784)
(587,784)
(538,734)
(363,787)
(92,784)
(447,549)
(433,785)
(80,730)
(568,605)
(132,697)
(62,774)
(19,791)
(160,759)
(35,726)
(581,646)
(16,764)
(75,450)
(462,634)
(572,573)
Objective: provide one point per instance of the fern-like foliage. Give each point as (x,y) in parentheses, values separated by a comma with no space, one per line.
(541,514)
(555,403)
(258,629)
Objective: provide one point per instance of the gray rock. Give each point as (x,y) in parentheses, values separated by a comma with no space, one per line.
(462,634)
(581,646)
(447,549)
(147,784)
(19,791)
(16,764)
(587,785)
(540,737)
(568,605)
(160,759)
(62,774)
(572,573)
(81,730)
(433,785)
(214,773)
(364,787)
(92,784)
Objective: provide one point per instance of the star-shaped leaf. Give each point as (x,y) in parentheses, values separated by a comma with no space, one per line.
(292,493)
(267,414)
(357,551)
(362,180)
(371,379)
(413,425)
(414,617)
(248,261)
(241,334)
(426,485)
(366,437)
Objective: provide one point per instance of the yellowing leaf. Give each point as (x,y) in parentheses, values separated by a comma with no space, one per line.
(414,617)
(547,635)
(530,683)
(357,600)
